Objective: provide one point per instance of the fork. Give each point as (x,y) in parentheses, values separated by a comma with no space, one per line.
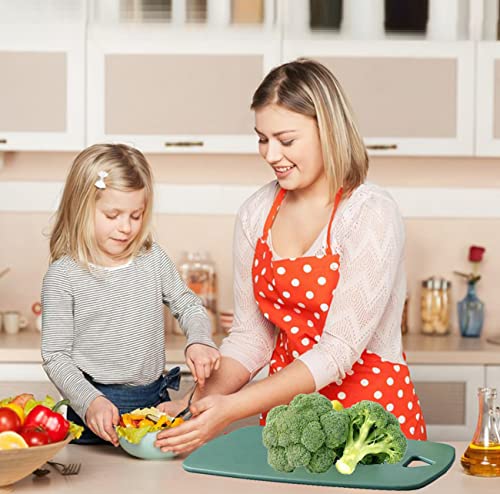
(186,414)
(69,469)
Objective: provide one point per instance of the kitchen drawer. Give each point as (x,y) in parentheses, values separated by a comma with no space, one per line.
(448,397)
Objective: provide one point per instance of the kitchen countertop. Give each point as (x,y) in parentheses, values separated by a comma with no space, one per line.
(420,349)
(106,469)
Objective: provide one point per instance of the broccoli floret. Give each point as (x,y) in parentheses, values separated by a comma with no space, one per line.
(298,455)
(336,427)
(270,435)
(276,457)
(313,436)
(372,432)
(316,402)
(322,460)
(275,412)
(289,426)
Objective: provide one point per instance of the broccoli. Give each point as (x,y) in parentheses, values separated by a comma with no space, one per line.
(305,434)
(372,431)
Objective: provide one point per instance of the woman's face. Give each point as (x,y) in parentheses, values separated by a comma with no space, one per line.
(290,143)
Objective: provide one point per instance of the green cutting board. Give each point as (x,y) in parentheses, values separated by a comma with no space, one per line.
(241,454)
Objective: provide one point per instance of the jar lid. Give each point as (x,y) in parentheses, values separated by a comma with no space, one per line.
(436,284)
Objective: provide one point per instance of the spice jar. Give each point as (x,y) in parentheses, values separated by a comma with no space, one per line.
(198,272)
(435,306)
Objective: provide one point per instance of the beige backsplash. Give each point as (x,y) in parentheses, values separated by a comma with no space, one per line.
(434,246)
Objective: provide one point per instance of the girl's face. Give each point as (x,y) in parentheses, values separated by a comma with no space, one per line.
(118,220)
(290,143)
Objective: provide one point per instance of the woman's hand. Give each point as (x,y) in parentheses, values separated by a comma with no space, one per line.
(172,408)
(202,360)
(211,415)
(101,417)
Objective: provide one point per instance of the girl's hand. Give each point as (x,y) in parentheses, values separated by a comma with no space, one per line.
(101,417)
(202,360)
(211,415)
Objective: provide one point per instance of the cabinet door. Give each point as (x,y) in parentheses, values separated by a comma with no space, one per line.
(41,87)
(188,93)
(493,376)
(488,99)
(448,397)
(409,98)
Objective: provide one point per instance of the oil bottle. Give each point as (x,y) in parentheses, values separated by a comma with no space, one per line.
(482,457)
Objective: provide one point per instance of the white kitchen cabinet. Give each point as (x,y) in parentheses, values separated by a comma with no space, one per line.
(448,397)
(42,96)
(488,99)
(176,91)
(493,377)
(409,97)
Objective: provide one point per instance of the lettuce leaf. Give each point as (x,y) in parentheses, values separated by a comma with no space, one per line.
(75,430)
(48,402)
(133,435)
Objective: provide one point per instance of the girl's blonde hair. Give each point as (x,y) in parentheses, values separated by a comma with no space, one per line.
(307,87)
(74,230)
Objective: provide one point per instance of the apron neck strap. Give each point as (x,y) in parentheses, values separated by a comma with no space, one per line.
(273,212)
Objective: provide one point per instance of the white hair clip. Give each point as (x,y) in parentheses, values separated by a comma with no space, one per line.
(100,183)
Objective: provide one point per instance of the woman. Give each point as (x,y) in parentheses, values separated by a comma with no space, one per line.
(318,264)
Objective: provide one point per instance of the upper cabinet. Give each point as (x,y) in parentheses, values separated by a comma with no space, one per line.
(180,86)
(407,68)
(42,69)
(488,99)
(416,99)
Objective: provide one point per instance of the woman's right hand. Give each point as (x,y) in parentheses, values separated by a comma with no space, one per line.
(101,418)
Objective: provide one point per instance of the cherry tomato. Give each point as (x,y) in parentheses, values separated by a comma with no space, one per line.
(35,436)
(9,420)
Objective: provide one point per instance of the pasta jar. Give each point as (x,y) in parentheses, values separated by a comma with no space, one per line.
(435,306)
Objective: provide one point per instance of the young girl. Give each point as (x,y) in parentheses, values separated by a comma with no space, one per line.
(319,275)
(103,294)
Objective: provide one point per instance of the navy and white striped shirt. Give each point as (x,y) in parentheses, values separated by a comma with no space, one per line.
(109,323)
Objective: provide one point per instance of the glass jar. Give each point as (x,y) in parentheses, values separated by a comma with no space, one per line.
(404,317)
(198,272)
(435,306)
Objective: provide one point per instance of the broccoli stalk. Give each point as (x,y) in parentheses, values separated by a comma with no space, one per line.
(372,431)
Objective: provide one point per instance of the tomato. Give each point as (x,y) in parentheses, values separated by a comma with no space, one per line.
(35,436)
(9,420)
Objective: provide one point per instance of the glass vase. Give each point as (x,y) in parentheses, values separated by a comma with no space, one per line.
(471,313)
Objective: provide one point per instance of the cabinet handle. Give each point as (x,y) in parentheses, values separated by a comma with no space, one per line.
(183,144)
(3,141)
(382,146)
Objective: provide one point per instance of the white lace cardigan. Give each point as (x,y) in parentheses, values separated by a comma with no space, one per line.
(365,314)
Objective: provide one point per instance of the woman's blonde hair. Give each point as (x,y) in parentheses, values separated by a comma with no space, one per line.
(74,231)
(307,87)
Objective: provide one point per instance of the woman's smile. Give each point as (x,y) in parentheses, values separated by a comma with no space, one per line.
(283,171)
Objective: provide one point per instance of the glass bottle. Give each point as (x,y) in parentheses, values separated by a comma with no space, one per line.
(482,457)
(470,313)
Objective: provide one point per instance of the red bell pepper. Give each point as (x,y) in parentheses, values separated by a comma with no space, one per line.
(49,419)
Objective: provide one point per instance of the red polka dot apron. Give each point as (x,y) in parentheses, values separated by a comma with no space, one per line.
(295,295)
